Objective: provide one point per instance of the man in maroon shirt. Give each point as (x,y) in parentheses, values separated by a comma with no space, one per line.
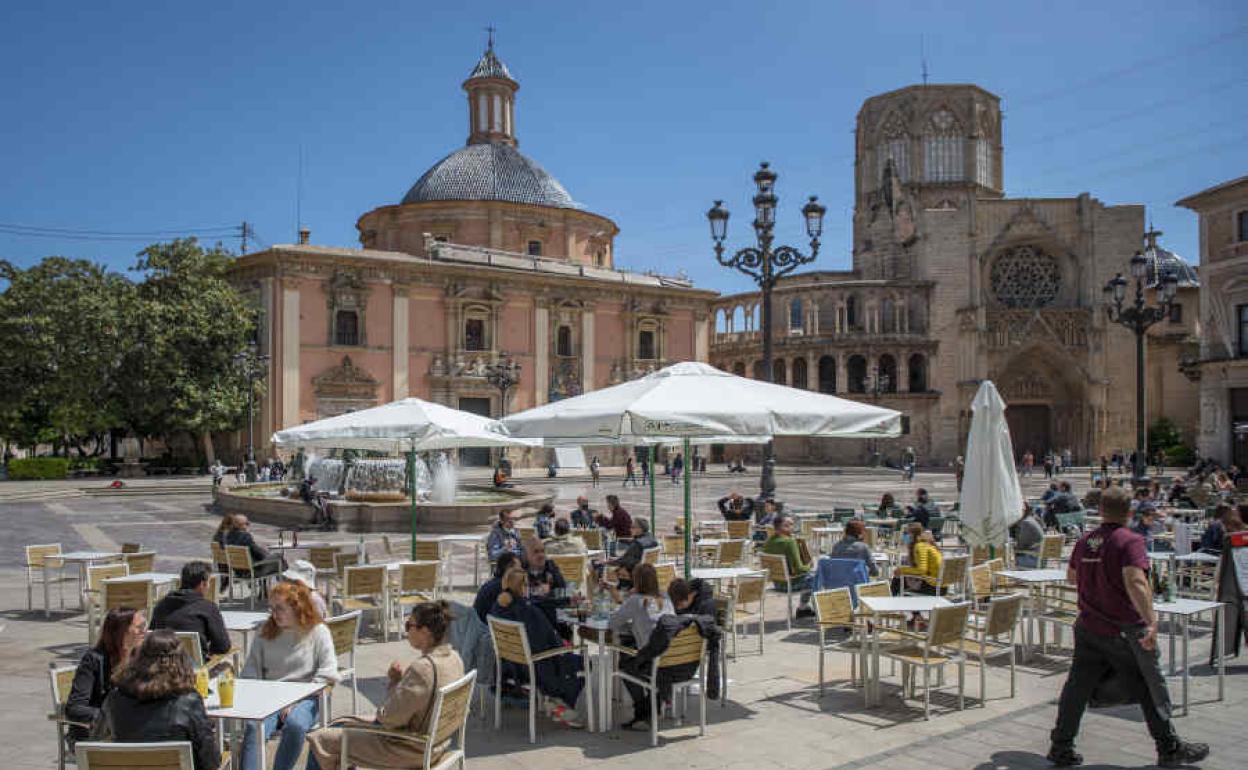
(1116,632)
(619,522)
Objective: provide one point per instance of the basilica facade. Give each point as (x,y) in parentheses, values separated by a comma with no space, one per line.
(953,283)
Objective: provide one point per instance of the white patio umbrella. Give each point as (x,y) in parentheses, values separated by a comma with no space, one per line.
(696,403)
(409,425)
(991,498)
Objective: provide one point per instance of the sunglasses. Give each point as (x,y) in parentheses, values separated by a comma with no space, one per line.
(408,625)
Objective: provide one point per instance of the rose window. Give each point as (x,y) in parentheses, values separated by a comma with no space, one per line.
(1025,277)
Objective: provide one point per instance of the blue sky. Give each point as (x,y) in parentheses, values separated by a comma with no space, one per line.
(141,117)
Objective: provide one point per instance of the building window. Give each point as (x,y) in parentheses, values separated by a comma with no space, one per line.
(1025,277)
(1241,314)
(942,150)
(534,248)
(856,371)
(440,239)
(779,372)
(886,373)
(758,370)
(795,316)
(1176,313)
(827,374)
(1241,222)
(738,369)
(918,374)
(645,345)
(563,342)
(600,258)
(905,425)
(851,312)
(483,111)
(346,328)
(983,163)
(799,373)
(897,151)
(498,114)
(474,334)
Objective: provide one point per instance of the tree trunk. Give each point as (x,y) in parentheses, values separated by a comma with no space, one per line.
(209,455)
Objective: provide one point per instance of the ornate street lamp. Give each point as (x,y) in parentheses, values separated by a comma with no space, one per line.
(1139,317)
(253,367)
(503,374)
(765,265)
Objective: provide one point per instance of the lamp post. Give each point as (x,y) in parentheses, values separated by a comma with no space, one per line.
(503,374)
(1138,317)
(766,264)
(254,368)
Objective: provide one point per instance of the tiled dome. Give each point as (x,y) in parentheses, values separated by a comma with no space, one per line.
(492,171)
(1161,261)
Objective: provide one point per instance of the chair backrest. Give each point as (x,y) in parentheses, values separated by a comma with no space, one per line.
(592,538)
(166,755)
(731,552)
(141,562)
(979,554)
(219,559)
(37,554)
(1003,614)
(776,565)
(666,573)
(192,645)
(936,525)
(947,624)
(62,681)
(749,589)
(322,557)
(511,642)
(448,716)
(651,555)
(428,550)
(879,588)
(687,646)
(869,537)
(344,559)
(239,557)
(572,566)
(953,570)
(418,577)
(834,607)
(131,548)
(981,581)
(739,530)
(673,545)
(524,533)
(98,573)
(1051,548)
(365,580)
(135,594)
(345,631)
(995,565)
(213,594)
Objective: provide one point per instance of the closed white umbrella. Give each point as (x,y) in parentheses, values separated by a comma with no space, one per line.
(991,498)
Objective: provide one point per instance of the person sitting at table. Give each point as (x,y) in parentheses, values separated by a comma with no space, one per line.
(583,517)
(293,645)
(544,521)
(544,576)
(1215,532)
(1064,501)
(851,546)
(264,563)
(1049,493)
(887,507)
(642,540)
(304,573)
(735,507)
(563,542)
(782,543)
(154,700)
(924,563)
(121,632)
(923,509)
(1144,525)
(619,522)
(489,591)
(503,537)
(557,677)
(223,529)
(1029,538)
(409,699)
(632,623)
(187,609)
(765,512)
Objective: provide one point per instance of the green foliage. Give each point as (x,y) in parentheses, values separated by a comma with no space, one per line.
(1164,435)
(26,468)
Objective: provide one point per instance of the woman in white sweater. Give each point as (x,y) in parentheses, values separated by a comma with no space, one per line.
(293,646)
(636,618)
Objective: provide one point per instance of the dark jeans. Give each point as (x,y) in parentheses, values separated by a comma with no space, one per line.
(1097,656)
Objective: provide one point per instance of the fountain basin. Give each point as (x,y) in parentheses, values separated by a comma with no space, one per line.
(473,507)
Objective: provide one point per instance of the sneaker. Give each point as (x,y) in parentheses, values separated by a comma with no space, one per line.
(566,717)
(1182,753)
(636,723)
(1064,757)
(804,612)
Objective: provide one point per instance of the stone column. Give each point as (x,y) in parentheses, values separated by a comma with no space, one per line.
(903,372)
(587,351)
(812,372)
(290,357)
(700,334)
(842,373)
(399,354)
(541,355)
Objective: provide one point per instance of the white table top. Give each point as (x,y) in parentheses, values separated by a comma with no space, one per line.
(1185,606)
(85,555)
(305,545)
(723,573)
(394,566)
(902,603)
(256,699)
(1034,575)
(158,578)
(828,530)
(236,620)
(880,556)
(1198,557)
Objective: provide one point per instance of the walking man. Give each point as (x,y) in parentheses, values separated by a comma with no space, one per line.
(630,471)
(1116,632)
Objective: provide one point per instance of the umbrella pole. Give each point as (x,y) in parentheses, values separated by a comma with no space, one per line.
(411,483)
(688,511)
(650,456)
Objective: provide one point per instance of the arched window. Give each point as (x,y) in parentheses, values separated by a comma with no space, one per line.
(800,377)
(856,371)
(738,369)
(795,316)
(737,320)
(758,370)
(346,328)
(894,147)
(779,372)
(887,372)
(827,374)
(1025,277)
(943,149)
(563,341)
(918,373)
(851,311)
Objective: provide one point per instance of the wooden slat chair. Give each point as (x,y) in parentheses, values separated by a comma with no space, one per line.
(245,569)
(135,594)
(193,646)
(322,558)
(1051,550)
(511,645)
(220,562)
(417,583)
(431,550)
(730,553)
(345,631)
(666,573)
(936,524)
(892,629)
(213,594)
(443,742)
(986,641)
(651,555)
(777,568)
(746,606)
(870,537)
(673,547)
(688,646)
(62,681)
(573,567)
(592,538)
(951,577)
(366,588)
(165,755)
(93,597)
(525,533)
(37,558)
(946,628)
(738,530)
(140,562)
(131,548)
(1196,581)
(834,609)
(1059,607)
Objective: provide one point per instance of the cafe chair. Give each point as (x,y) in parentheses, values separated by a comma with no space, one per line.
(945,630)
(651,555)
(366,588)
(666,572)
(62,681)
(730,553)
(345,631)
(417,583)
(40,560)
(777,568)
(245,569)
(166,755)
(93,597)
(739,530)
(140,562)
(992,637)
(573,567)
(686,647)
(746,607)
(1051,550)
(442,743)
(511,645)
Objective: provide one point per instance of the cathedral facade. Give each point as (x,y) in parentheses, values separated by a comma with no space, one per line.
(953,283)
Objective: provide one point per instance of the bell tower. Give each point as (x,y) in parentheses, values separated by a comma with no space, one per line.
(491,100)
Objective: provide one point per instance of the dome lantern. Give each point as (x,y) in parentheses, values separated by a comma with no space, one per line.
(491,101)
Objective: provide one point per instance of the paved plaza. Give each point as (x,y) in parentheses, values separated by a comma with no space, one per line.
(774,717)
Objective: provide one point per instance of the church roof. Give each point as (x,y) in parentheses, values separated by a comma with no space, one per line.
(492,171)
(1161,261)
(490,66)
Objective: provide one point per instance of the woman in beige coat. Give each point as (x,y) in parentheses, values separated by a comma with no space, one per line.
(408,702)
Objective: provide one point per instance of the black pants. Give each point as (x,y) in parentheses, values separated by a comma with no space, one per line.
(1095,658)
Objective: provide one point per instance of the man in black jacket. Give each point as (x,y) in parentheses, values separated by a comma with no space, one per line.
(264,562)
(736,507)
(188,609)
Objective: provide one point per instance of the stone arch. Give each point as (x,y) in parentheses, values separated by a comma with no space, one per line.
(827,374)
(757,370)
(739,368)
(736,321)
(886,370)
(801,377)
(1047,404)
(779,372)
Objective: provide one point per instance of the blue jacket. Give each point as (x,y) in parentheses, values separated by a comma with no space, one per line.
(502,540)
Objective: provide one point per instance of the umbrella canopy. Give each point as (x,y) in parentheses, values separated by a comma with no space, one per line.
(991,498)
(697,401)
(401,426)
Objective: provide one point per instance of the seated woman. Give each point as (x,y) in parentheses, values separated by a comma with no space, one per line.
(293,646)
(155,700)
(1211,539)
(489,591)
(557,677)
(887,506)
(121,633)
(223,529)
(924,567)
(409,699)
(633,622)
(851,546)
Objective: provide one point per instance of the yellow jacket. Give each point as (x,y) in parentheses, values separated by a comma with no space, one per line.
(927,559)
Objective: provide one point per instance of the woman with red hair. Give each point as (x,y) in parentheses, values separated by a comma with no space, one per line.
(293,646)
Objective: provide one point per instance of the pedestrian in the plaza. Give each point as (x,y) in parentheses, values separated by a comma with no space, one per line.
(678,465)
(1068,458)
(155,700)
(595,470)
(187,608)
(618,521)
(1048,464)
(908,460)
(645,471)
(121,633)
(1029,462)
(959,472)
(218,472)
(630,471)
(1116,633)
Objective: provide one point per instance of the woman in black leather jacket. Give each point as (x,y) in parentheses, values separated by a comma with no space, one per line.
(155,700)
(121,633)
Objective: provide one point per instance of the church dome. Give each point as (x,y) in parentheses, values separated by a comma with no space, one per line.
(1159,262)
(490,171)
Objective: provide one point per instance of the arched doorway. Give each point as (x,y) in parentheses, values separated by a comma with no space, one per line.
(1045,403)
(827,374)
